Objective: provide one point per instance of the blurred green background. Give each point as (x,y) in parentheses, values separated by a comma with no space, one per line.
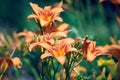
(85,17)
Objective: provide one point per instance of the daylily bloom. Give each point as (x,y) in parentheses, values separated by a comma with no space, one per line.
(114,50)
(28,35)
(91,51)
(46,15)
(58,50)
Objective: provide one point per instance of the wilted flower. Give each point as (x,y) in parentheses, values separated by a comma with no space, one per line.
(46,15)
(6,62)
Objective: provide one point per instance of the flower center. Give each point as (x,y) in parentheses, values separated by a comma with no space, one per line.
(59,52)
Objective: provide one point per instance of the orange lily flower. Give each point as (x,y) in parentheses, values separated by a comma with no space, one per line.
(46,15)
(93,51)
(28,35)
(58,50)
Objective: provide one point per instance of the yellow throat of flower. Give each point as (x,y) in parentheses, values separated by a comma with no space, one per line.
(45,20)
(59,52)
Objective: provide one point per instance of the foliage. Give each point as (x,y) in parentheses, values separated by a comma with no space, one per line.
(50,53)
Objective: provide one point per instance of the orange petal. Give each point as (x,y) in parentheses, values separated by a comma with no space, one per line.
(32,16)
(44,45)
(51,41)
(47,8)
(43,22)
(61,59)
(114,50)
(36,8)
(72,49)
(58,19)
(17,62)
(21,34)
(62,27)
(60,4)
(45,55)
(62,34)
(56,10)
(69,40)
(90,57)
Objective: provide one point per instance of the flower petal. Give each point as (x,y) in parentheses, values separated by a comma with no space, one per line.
(62,34)
(43,22)
(60,4)
(47,8)
(44,45)
(90,57)
(17,62)
(45,55)
(58,19)
(63,27)
(35,8)
(71,49)
(32,16)
(114,50)
(69,40)
(56,10)
(61,59)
